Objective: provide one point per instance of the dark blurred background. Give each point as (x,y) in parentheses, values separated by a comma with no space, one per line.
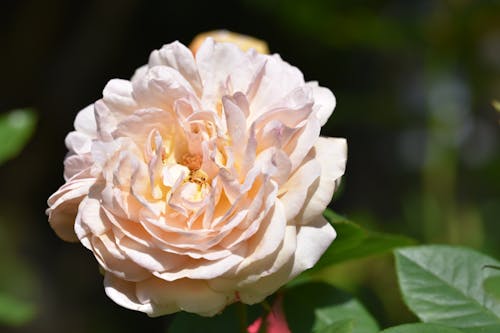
(414,82)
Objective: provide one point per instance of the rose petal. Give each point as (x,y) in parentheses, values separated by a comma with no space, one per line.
(63,207)
(324,101)
(187,295)
(331,153)
(85,122)
(179,57)
(308,252)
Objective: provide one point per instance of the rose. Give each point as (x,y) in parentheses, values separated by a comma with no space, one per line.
(201,181)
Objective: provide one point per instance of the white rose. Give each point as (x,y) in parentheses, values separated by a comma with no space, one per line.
(201,181)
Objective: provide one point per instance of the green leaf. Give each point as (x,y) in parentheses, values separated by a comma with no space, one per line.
(15,312)
(341,326)
(16,128)
(228,321)
(315,307)
(492,286)
(354,242)
(444,284)
(421,328)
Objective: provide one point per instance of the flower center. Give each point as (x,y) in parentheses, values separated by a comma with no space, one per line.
(192,161)
(196,176)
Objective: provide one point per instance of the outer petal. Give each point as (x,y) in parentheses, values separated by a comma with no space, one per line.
(113,260)
(78,143)
(160,87)
(63,207)
(124,293)
(77,164)
(118,95)
(179,57)
(312,241)
(185,294)
(279,80)
(331,153)
(266,241)
(306,244)
(85,122)
(324,101)
(256,288)
(296,188)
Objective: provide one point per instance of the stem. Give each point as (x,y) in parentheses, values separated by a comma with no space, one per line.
(242,314)
(265,304)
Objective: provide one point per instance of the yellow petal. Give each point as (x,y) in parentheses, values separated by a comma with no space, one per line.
(243,41)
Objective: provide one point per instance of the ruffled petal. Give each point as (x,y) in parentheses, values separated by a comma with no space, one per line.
(331,153)
(185,294)
(312,241)
(63,207)
(179,57)
(324,101)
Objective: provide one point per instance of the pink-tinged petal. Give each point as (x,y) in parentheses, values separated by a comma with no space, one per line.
(139,73)
(106,120)
(113,260)
(243,77)
(138,125)
(259,206)
(78,143)
(294,194)
(331,153)
(186,294)
(305,142)
(276,134)
(236,124)
(324,102)
(256,287)
(231,185)
(90,220)
(118,95)
(160,87)
(278,80)
(179,57)
(63,207)
(266,241)
(124,293)
(271,162)
(77,165)
(150,258)
(203,269)
(308,252)
(216,61)
(85,122)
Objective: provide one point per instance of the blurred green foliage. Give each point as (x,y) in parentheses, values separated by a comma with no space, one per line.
(227,321)
(17,287)
(355,242)
(16,127)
